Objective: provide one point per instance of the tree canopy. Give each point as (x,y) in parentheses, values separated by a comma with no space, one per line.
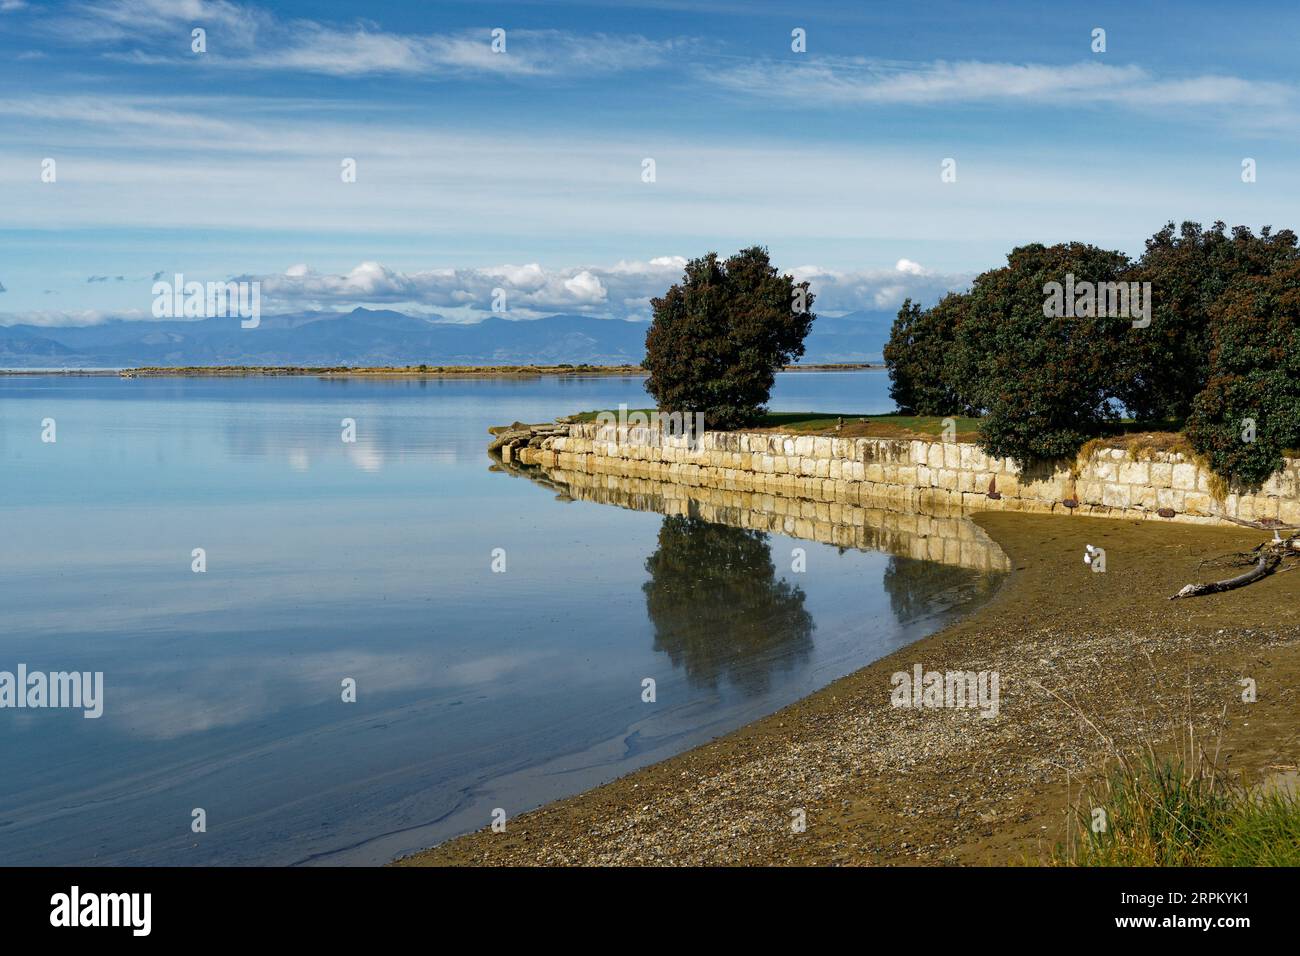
(1214,347)
(1248,414)
(720,335)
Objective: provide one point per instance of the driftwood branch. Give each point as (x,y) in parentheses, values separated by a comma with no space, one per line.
(1267,563)
(1265,558)
(1268,524)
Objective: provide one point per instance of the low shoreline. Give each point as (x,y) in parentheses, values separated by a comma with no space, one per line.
(398,371)
(894,786)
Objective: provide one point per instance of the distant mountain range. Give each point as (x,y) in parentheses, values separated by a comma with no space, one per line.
(365,337)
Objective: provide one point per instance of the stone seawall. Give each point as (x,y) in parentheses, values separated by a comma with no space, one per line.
(914,475)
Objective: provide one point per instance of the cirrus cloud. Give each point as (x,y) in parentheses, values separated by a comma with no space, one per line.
(838,81)
(249,37)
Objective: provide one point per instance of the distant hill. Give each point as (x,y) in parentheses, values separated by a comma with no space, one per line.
(855,337)
(383,337)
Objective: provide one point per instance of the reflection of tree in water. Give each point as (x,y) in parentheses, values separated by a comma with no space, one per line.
(918,589)
(718,608)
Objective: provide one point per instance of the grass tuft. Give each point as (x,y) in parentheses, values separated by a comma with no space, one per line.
(1180,810)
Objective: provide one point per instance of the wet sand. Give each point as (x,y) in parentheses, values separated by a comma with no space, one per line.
(881,785)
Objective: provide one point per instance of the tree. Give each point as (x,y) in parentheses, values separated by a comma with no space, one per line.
(1168,363)
(720,335)
(1046,383)
(1248,414)
(919,357)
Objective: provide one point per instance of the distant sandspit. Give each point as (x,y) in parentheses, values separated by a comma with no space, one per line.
(397,371)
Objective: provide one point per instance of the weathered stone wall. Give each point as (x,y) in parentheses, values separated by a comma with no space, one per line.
(914,475)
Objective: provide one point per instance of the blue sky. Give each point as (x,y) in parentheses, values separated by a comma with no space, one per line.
(522,169)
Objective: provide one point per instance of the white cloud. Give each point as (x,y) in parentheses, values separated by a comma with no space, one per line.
(840,291)
(461,293)
(621,291)
(52,318)
(361,51)
(837,81)
(252,38)
(150,162)
(586,286)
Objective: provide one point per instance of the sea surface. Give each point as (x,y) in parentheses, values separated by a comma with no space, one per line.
(378,563)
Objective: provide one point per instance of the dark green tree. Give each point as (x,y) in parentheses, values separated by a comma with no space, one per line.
(1045,383)
(919,357)
(720,335)
(1167,364)
(1248,414)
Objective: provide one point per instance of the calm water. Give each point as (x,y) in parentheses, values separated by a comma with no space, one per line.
(372,561)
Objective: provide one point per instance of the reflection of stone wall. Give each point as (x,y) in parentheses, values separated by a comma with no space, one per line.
(950,539)
(915,475)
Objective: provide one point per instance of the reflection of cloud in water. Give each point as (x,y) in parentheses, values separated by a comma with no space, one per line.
(168,701)
(380,440)
(366,457)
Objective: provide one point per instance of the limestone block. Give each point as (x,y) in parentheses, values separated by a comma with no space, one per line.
(1289,511)
(1102,470)
(1282,484)
(1184,477)
(1134,472)
(1114,495)
(1143,496)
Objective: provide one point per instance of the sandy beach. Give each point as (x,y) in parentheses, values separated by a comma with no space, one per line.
(1078,653)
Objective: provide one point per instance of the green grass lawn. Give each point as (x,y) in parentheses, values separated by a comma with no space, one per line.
(893,425)
(856,424)
(817,421)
